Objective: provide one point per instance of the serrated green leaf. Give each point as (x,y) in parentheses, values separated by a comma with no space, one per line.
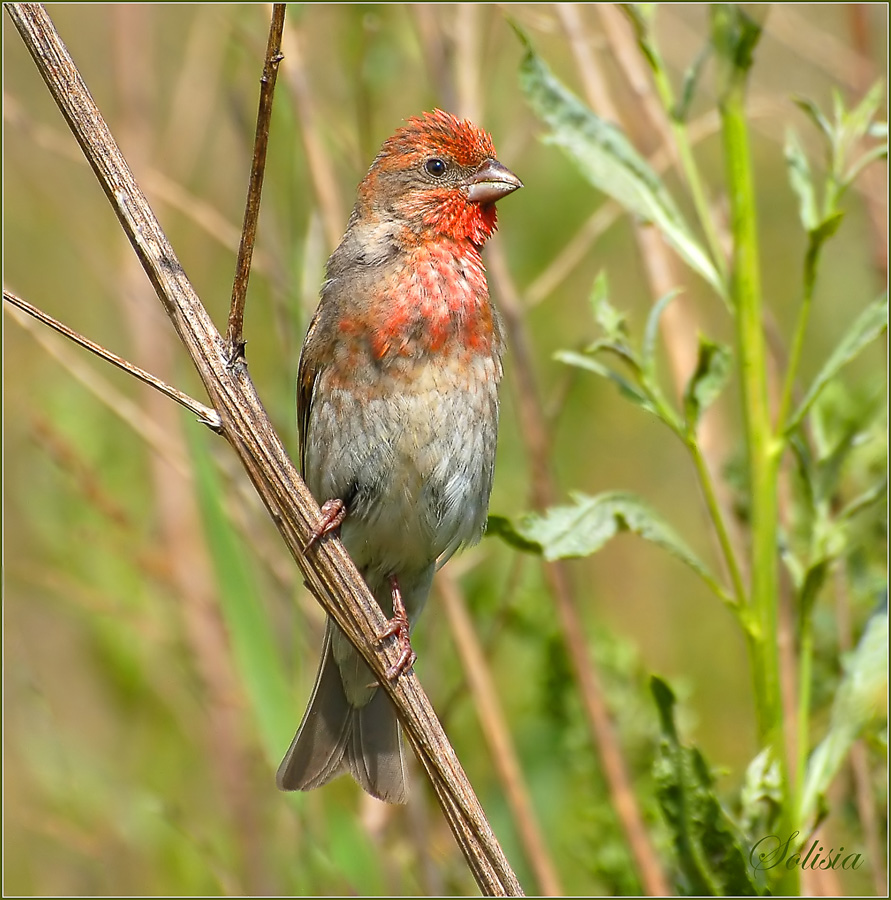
(713,366)
(871,323)
(801,181)
(605,157)
(712,854)
(583,528)
(860,700)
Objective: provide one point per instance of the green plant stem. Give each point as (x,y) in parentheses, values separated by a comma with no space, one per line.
(697,191)
(816,239)
(762,449)
(714,509)
(688,163)
(737,601)
(804,314)
(762,457)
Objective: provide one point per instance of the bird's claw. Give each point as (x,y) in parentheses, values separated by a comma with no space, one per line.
(333,514)
(399,627)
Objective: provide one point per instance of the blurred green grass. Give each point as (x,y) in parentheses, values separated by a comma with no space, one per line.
(137,760)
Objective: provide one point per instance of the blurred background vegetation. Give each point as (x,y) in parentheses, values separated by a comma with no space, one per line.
(159,646)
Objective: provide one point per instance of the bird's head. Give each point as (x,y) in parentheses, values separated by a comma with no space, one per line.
(439,175)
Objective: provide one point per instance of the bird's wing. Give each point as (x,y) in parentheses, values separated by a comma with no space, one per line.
(307,372)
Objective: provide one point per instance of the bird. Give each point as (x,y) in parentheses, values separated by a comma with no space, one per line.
(397,413)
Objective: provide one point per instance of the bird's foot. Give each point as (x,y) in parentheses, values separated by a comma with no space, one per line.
(333,514)
(398,626)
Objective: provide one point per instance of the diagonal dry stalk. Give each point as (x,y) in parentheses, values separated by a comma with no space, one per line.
(205,414)
(328,571)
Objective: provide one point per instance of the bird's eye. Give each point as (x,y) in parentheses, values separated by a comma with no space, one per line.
(435,167)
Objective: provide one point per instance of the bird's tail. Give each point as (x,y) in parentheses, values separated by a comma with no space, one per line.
(336,735)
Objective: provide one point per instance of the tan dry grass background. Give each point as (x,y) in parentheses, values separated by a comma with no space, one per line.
(134,761)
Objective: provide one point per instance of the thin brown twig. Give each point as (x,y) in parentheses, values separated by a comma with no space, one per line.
(205,414)
(535,436)
(494,725)
(235,332)
(329,572)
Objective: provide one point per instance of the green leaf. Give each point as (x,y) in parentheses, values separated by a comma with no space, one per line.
(801,181)
(736,33)
(610,319)
(583,528)
(847,130)
(605,157)
(859,701)
(691,79)
(871,495)
(856,123)
(712,855)
(501,526)
(826,229)
(641,17)
(713,366)
(878,152)
(628,390)
(871,323)
(254,642)
(761,797)
(815,114)
(651,331)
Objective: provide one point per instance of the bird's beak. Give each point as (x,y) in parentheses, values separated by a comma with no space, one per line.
(490,182)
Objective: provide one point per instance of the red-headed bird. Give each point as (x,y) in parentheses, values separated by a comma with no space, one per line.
(397,408)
